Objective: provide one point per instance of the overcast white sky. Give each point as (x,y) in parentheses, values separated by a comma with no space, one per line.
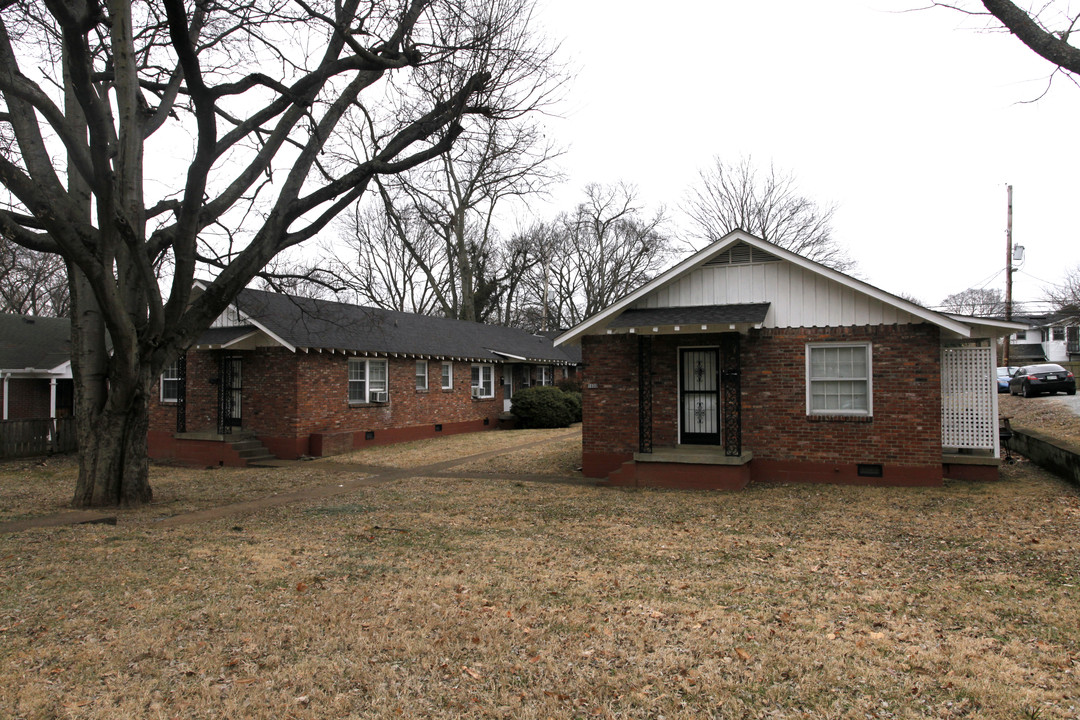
(913,123)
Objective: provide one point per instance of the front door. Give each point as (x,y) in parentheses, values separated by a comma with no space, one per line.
(699,396)
(508,386)
(229,398)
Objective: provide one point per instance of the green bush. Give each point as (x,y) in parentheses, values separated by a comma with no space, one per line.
(575,404)
(542,407)
(569,385)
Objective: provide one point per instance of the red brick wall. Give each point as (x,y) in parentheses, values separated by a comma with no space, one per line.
(905,430)
(288,396)
(29,398)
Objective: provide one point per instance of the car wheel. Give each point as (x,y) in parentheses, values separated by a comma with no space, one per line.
(1071,392)
(1027,391)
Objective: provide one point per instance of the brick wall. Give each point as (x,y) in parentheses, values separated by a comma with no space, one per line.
(28,398)
(904,432)
(905,429)
(288,396)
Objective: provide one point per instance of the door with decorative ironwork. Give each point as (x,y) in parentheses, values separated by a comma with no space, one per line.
(699,396)
(229,394)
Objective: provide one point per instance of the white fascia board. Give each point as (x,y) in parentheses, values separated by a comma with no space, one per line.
(506,355)
(704,255)
(992,326)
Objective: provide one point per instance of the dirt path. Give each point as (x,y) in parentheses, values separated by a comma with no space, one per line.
(344,478)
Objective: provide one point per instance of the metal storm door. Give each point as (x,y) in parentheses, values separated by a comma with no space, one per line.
(229,406)
(699,394)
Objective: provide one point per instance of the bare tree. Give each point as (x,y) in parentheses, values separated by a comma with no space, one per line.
(385,271)
(85,86)
(457,198)
(1065,297)
(589,258)
(1047,28)
(979,302)
(32,283)
(765,204)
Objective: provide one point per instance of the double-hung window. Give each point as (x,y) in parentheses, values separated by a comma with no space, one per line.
(170,382)
(421,375)
(483,381)
(839,379)
(448,376)
(546,375)
(367,381)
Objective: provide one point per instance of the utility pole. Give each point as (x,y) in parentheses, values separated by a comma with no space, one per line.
(1008,270)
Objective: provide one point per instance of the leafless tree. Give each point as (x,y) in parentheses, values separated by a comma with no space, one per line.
(765,204)
(31,282)
(1046,28)
(382,270)
(293,109)
(1065,297)
(589,258)
(979,302)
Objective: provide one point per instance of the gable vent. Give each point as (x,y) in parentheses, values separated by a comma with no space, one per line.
(742,254)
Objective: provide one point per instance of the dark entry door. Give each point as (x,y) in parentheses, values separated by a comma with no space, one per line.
(699,396)
(230,409)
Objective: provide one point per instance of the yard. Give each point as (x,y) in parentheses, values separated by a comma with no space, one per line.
(483,593)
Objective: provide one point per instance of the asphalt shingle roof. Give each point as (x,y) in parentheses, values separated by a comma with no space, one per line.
(752,313)
(41,343)
(328,325)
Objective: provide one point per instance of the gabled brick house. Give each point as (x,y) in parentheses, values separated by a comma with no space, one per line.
(289,377)
(749,362)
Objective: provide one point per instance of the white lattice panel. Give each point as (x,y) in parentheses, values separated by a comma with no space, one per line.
(968,398)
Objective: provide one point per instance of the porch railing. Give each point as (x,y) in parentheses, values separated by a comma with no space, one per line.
(36,436)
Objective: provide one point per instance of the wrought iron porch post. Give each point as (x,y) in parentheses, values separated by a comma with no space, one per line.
(181,393)
(731,393)
(645,438)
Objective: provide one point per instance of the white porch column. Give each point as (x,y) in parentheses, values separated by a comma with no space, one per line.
(52,398)
(6,393)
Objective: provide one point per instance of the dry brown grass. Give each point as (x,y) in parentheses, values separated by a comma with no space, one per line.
(458,597)
(1046,413)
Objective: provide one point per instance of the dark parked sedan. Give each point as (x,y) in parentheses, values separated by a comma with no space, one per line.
(1032,380)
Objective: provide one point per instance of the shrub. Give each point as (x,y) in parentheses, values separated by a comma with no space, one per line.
(542,407)
(569,385)
(575,404)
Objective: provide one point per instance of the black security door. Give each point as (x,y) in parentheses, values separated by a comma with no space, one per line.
(229,394)
(699,393)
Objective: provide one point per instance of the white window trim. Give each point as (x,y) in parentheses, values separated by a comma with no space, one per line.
(367,363)
(447,379)
(175,367)
(869,411)
(491,370)
(424,364)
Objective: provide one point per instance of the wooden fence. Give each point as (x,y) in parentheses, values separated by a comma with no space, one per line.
(40,436)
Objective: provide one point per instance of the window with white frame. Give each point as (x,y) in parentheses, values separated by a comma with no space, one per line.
(547,374)
(448,376)
(367,380)
(421,375)
(838,379)
(170,382)
(483,381)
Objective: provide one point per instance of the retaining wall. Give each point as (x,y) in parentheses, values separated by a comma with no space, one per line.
(1058,456)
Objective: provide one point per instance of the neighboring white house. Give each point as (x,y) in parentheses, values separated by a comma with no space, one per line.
(1053,337)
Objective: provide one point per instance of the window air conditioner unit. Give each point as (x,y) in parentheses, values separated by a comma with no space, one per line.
(476,391)
(378,396)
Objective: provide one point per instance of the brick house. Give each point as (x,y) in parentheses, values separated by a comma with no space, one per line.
(35,368)
(749,362)
(288,377)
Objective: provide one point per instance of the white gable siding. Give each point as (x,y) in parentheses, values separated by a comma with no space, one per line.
(798,297)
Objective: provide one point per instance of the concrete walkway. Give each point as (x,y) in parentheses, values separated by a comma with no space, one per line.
(341,484)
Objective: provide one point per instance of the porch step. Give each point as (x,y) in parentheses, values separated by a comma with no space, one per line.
(251,451)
